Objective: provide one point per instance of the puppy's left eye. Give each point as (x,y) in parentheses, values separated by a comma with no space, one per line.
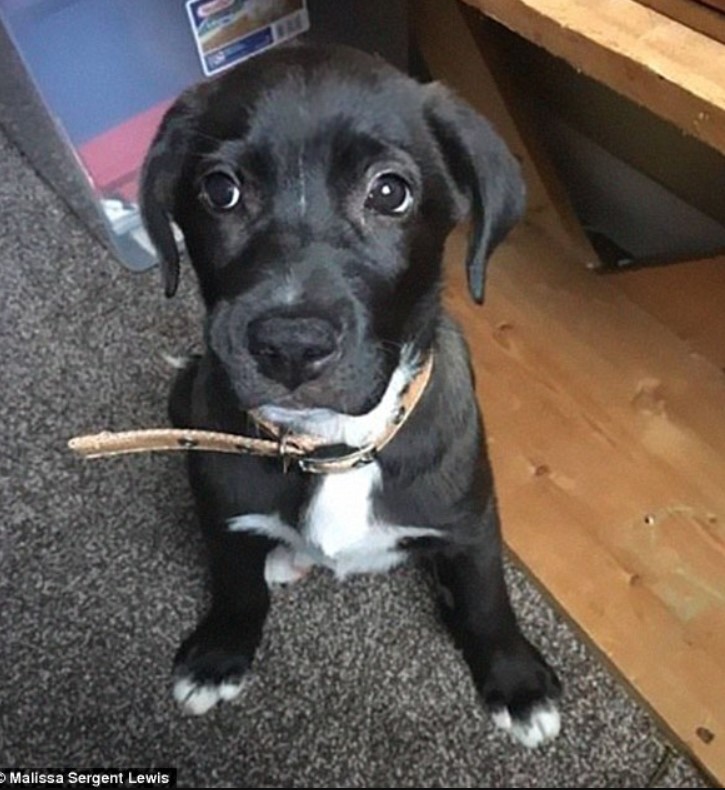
(220,190)
(389,194)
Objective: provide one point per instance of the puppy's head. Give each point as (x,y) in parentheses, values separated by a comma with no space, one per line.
(315,188)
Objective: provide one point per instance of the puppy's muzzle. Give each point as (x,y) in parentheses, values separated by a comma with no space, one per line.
(292,349)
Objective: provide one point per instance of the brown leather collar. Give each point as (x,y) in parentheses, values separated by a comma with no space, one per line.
(310,453)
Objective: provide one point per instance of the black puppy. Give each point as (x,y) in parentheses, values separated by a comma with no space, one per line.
(315,188)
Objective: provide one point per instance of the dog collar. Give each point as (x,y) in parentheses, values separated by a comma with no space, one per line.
(309,453)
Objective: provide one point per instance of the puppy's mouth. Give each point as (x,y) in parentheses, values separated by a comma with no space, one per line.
(342,426)
(308,363)
(341,388)
(333,387)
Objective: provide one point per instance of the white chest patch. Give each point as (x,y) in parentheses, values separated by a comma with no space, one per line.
(338,529)
(339,515)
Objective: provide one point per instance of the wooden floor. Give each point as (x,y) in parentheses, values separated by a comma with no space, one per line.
(604,400)
(688,297)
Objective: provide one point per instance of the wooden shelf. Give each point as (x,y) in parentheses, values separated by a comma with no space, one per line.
(607,438)
(705,17)
(651,59)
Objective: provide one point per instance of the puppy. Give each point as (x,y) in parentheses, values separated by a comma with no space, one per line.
(315,188)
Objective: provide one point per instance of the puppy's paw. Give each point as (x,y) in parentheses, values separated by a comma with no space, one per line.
(541,724)
(212,664)
(198,697)
(520,690)
(284,566)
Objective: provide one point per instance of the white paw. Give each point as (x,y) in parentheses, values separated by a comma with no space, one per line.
(284,566)
(199,698)
(176,362)
(541,725)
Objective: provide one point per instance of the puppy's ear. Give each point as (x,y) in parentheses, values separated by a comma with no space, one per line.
(486,179)
(160,178)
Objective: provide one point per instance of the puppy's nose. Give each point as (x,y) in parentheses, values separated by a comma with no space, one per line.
(292,350)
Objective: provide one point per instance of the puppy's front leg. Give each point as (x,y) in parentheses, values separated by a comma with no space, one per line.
(513,679)
(211,662)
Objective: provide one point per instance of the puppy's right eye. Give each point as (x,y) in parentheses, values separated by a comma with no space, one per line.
(220,191)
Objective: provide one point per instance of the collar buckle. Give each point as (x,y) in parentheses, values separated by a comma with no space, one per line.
(343,463)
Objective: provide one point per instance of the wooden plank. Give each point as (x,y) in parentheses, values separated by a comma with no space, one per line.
(697,16)
(718,5)
(673,71)
(687,297)
(607,438)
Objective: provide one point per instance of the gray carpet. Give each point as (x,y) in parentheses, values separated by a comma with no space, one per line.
(356,684)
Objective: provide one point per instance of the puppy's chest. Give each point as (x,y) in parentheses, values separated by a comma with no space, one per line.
(338,527)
